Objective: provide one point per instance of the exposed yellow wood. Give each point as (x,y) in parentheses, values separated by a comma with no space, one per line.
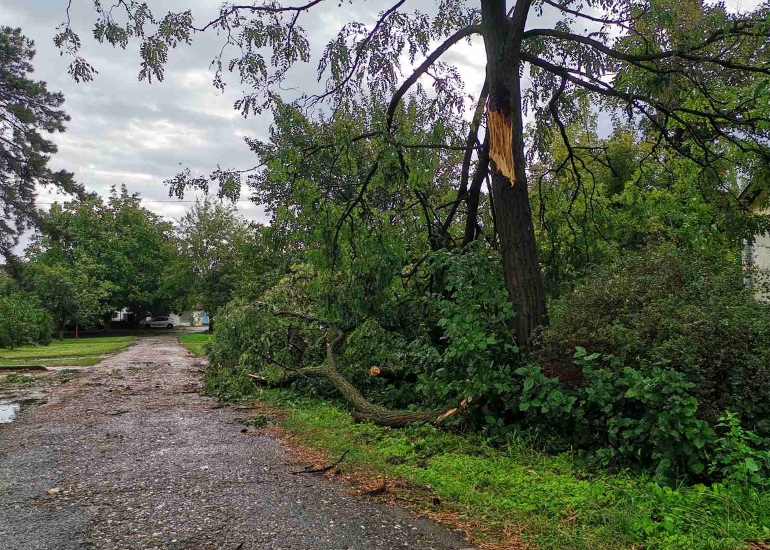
(500,128)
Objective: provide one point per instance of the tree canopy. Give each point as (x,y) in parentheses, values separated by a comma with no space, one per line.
(212,238)
(28,111)
(688,79)
(113,254)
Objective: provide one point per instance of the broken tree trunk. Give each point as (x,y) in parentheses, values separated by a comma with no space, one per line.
(513,215)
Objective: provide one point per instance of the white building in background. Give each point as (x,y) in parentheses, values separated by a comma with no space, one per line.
(756,254)
(193,318)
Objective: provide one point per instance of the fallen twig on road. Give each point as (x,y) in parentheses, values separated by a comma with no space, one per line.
(325,468)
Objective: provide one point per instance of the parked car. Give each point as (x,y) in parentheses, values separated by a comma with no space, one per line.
(159,322)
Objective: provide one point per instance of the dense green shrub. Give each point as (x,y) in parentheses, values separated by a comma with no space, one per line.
(445,338)
(249,338)
(448,340)
(642,417)
(22,321)
(231,353)
(677,310)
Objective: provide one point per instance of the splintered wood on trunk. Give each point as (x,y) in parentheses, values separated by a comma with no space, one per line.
(500,131)
(503,33)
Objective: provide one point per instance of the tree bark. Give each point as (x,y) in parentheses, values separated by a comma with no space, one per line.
(472,218)
(513,214)
(470,142)
(363,410)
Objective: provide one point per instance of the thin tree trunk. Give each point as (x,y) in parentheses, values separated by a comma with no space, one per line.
(472,218)
(515,228)
(470,141)
(77,330)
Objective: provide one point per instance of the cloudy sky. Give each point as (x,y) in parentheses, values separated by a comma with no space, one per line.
(128,132)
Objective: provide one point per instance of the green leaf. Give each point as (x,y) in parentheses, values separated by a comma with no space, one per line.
(696,467)
(668,525)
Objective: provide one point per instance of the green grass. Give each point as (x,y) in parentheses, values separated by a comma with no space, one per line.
(71,352)
(196,342)
(54,362)
(550,500)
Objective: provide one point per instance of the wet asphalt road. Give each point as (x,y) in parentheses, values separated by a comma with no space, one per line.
(131,456)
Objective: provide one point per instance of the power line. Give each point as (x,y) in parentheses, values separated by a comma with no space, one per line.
(145,199)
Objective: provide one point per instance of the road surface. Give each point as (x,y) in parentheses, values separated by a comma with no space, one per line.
(130,455)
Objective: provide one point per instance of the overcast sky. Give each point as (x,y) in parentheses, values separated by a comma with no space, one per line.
(128,132)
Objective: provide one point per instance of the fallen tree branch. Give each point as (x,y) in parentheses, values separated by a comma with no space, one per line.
(363,410)
(293,314)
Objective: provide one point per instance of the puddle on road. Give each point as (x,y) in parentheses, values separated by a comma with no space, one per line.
(8,412)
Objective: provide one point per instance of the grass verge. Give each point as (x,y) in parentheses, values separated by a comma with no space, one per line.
(517,497)
(68,352)
(196,342)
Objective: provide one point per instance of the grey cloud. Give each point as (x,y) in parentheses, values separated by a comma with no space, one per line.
(125,131)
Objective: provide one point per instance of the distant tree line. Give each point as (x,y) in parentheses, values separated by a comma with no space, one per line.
(92,258)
